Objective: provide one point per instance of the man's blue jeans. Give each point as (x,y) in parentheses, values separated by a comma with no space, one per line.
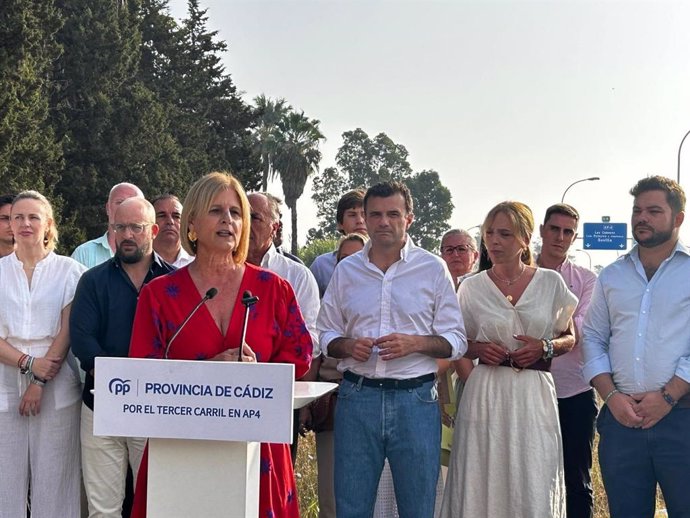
(372,424)
(634,460)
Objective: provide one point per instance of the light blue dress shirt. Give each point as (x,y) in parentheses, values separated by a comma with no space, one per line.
(639,330)
(94,252)
(323,268)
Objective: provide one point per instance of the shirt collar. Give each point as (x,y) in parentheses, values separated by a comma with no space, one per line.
(182,254)
(103,241)
(565,264)
(679,248)
(270,254)
(157,261)
(408,247)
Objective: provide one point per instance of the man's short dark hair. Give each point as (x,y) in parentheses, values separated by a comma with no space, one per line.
(563,209)
(387,189)
(675,196)
(350,200)
(6,199)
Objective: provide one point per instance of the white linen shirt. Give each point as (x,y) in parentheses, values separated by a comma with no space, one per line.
(183,259)
(414,296)
(30,319)
(304,285)
(637,329)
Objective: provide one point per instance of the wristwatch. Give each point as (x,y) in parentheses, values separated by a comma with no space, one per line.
(547,347)
(668,397)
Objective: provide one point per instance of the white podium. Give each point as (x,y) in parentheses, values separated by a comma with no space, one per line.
(205,422)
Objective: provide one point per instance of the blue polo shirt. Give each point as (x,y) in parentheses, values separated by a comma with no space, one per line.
(103,313)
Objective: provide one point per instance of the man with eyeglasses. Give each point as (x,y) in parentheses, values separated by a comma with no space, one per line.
(102,248)
(459,251)
(6,236)
(101,325)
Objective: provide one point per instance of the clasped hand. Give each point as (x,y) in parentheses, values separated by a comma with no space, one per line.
(391,346)
(494,354)
(46,368)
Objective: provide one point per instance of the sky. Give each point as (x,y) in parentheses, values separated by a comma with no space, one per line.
(510,99)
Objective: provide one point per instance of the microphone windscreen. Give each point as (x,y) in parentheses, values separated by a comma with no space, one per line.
(212,292)
(247,294)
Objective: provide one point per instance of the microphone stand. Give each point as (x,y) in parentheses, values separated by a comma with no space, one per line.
(212,292)
(248,300)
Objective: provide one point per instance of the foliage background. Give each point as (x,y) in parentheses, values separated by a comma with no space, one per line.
(97,92)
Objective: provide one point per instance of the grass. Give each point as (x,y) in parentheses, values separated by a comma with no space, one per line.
(305,472)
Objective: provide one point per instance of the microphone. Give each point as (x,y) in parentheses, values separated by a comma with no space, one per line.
(248,300)
(212,292)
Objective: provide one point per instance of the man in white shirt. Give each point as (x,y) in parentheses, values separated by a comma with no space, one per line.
(577,406)
(389,312)
(167,243)
(102,248)
(262,252)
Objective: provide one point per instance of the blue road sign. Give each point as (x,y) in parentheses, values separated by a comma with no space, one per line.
(605,236)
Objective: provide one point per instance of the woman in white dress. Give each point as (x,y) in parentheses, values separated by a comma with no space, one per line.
(39,380)
(507,460)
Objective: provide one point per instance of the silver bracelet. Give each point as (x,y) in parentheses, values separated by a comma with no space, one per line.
(610,395)
(34,380)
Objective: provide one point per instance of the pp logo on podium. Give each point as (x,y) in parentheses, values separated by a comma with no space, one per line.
(119,387)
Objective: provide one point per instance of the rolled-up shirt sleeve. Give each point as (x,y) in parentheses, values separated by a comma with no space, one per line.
(330,323)
(597,334)
(683,370)
(448,322)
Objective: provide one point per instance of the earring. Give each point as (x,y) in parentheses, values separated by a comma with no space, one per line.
(45,240)
(191,235)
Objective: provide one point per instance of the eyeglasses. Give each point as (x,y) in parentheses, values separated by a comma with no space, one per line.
(460,249)
(136,228)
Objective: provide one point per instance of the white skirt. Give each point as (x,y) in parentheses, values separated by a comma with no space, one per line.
(507,457)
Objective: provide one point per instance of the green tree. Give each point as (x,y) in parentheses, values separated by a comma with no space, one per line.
(315,248)
(296,158)
(30,155)
(367,161)
(271,112)
(327,189)
(432,209)
(212,123)
(362,162)
(112,127)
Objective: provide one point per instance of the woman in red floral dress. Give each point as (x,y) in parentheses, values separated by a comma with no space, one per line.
(215,227)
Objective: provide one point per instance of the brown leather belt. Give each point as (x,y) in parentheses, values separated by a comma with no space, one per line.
(539,365)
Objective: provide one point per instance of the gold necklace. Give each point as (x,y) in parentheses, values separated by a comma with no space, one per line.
(512,281)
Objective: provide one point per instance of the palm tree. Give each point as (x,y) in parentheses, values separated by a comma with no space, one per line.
(271,112)
(297,156)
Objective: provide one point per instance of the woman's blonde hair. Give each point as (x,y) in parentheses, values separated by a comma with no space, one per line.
(522,221)
(199,200)
(51,236)
(354,236)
